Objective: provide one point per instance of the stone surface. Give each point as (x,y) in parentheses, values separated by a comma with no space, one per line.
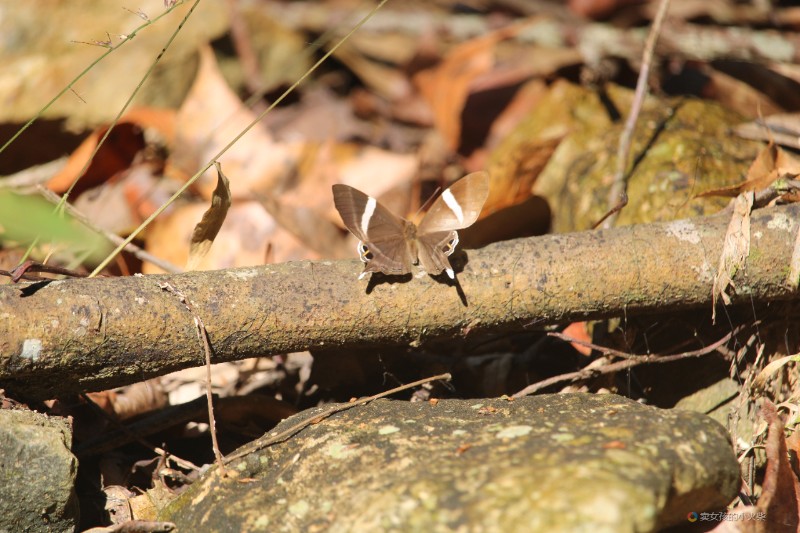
(546,463)
(681,147)
(37,473)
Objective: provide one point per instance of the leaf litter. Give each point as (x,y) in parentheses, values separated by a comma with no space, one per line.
(406,109)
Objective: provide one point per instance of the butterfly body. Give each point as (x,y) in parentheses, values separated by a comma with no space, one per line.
(391,244)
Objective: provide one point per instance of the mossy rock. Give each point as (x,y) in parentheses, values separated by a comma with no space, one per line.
(562,462)
(681,147)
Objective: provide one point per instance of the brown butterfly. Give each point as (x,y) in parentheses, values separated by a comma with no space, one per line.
(391,244)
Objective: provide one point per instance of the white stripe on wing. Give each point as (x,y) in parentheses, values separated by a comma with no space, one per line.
(453,204)
(369,210)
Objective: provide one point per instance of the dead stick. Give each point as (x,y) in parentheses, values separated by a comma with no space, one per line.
(631,361)
(617,196)
(203,335)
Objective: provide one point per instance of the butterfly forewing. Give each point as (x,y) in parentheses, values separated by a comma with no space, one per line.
(383,233)
(458,206)
(357,213)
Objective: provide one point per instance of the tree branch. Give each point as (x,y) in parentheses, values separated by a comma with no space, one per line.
(91,334)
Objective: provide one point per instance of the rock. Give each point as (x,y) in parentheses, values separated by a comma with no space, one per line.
(717,400)
(543,463)
(37,473)
(670,161)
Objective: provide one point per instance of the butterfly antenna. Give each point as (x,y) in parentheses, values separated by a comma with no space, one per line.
(428,202)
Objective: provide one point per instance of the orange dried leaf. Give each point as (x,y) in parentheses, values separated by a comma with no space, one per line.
(447,86)
(579,331)
(116,155)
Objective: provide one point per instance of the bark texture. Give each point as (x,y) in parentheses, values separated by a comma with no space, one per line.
(91,334)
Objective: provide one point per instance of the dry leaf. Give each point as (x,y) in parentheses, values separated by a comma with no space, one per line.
(787,164)
(761,174)
(366,168)
(206,230)
(40,62)
(447,86)
(597,8)
(138,398)
(210,118)
(529,165)
(780,496)
(388,81)
(244,239)
(736,94)
(154,119)
(760,381)
(524,100)
(471,86)
(735,249)
(320,116)
(579,331)
(127,198)
(116,155)
(316,231)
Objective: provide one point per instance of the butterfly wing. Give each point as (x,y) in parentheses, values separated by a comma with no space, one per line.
(383,243)
(433,249)
(456,208)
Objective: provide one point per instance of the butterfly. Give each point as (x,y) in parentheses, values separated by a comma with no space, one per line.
(391,244)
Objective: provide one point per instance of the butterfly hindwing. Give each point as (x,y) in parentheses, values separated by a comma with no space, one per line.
(390,256)
(433,249)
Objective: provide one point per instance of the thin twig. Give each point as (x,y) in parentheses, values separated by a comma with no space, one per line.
(25,271)
(212,422)
(630,362)
(203,335)
(273,438)
(596,347)
(617,195)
